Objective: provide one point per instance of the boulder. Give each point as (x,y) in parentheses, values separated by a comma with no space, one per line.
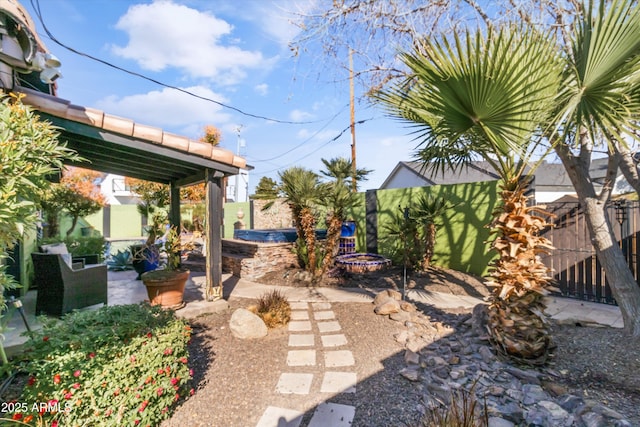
(246,325)
(385,295)
(387,307)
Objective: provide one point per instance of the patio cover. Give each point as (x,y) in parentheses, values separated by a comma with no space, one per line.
(118,145)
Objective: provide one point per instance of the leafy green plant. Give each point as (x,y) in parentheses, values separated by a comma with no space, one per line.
(86,245)
(273,308)
(120,261)
(119,365)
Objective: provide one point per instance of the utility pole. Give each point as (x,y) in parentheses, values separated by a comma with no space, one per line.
(353,124)
(236,188)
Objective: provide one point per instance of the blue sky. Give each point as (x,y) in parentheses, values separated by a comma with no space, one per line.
(232,51)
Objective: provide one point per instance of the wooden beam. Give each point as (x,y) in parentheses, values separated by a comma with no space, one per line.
(213,243)
(174,208)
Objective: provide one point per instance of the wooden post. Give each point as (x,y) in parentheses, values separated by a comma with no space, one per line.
(174,207)
(214,192)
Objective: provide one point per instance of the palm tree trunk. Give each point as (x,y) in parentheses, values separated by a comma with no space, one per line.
(333,236)
(308,223)
(624,287)
(429,245)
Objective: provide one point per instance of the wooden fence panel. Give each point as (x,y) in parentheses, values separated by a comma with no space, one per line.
(576,269)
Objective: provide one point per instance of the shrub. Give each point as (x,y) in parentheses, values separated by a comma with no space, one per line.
(463,410)
(119,365)
(273,308)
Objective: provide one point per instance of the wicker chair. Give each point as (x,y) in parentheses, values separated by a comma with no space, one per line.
(62,289)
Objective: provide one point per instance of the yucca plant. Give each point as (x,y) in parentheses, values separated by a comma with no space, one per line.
(487,95)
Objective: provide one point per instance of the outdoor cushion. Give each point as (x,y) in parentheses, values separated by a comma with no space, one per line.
(61,249)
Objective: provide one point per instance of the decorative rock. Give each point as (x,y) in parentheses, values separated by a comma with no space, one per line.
(407,306)
(246,325)
(388,306)
(411,373)
(401,316)
(303,276)
(401,337)
(411,357)
(385,295)
(453,354)
(499,422)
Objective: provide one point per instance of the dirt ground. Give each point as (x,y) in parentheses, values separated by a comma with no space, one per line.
(594,362)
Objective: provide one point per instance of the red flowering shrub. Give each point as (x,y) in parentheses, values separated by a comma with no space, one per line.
(108,367)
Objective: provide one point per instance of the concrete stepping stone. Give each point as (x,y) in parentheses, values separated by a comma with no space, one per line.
(328,326)
(333,414)
(324,315)
(291,383)
(333,340)
(301,358)
(301,340)
(299,315)
(337,358)
(339,382)
(299,325)
(280,417)
(321,305)
(297,305)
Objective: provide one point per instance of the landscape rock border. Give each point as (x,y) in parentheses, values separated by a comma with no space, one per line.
(449,352)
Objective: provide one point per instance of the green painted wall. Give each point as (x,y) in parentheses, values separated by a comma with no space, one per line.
(126,221)
(461,235)
(231,217)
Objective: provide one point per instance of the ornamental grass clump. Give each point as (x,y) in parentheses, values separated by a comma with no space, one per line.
(119,365)
(273,308)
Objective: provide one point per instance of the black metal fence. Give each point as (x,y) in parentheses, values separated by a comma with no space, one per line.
(575,265)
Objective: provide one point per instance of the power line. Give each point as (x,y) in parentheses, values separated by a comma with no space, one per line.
(36,6)
(305,141)
(320,147)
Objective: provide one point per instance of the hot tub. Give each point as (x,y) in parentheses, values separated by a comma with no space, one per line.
(274,235)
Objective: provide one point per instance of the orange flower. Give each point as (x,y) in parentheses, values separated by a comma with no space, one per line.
(56,379)
(28,419)
(17,416)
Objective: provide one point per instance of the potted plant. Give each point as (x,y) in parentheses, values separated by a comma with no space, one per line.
(146,256)
(165,286)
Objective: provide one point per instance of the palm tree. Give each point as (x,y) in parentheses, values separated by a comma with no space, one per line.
(338,198)
(599,106)
(426,213)
(300,187)
(486,95)
(341,169)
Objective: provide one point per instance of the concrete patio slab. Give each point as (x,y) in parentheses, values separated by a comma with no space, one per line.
(301,340)
(339,382)
(334,359)
(333,414)
(301,358)
(280,417)
(294,383)
(333,340)
(328,327)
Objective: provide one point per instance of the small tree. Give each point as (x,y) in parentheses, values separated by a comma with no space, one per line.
(427,213)
(29,152)
(267,189)
(77,194)
(153,197)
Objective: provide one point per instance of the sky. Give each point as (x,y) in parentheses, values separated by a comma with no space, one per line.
(235,52)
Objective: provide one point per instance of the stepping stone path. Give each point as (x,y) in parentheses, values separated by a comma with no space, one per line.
(315,341)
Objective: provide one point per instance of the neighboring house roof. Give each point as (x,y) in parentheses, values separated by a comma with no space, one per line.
(549,177)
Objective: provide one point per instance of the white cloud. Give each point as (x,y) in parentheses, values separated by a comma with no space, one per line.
(262,89)
(300,116)
(164,34)
(170,109)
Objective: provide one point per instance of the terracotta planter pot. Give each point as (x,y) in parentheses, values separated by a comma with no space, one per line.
(166,288)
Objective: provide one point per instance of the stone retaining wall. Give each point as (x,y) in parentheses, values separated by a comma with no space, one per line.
(251,260)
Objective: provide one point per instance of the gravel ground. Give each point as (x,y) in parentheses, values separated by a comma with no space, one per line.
(235,379)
